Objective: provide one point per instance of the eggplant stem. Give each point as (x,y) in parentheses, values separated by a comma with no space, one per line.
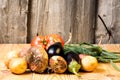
(74,71)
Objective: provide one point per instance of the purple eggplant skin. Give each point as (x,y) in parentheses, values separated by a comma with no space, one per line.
(55,49)
(69,56)
(73,62)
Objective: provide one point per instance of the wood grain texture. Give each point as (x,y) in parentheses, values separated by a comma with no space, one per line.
(109,10)
(83,29)
(49,16)
(104,71)
(59,16)
(7,75)
(21,20)
(13,21)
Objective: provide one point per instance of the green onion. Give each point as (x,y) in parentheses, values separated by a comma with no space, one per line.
(114,65)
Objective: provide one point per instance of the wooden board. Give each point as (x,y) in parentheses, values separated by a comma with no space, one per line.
(102,72)
(49,16)
(13,21)
(84,19)
(109,11)
(59,16)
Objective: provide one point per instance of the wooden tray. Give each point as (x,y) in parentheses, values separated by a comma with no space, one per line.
(104,71)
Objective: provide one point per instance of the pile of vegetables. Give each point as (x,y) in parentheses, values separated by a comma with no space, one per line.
(95,51)
(49,53)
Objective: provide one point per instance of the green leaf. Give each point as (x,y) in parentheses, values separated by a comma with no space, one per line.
(114,65)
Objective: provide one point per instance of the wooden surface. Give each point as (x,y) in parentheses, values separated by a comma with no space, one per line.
(83,28)
(102,72)
(13,21)
(49,16)
(109,11)
(21,20)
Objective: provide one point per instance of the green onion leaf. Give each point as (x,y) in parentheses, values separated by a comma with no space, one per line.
(114,65)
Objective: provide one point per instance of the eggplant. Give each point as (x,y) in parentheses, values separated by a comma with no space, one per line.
(55,49)
(73,62)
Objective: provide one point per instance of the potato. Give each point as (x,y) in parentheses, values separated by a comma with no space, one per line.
(9,56)
(89,63)
(18,65)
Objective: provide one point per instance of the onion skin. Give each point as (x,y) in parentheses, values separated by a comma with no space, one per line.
(9,56)
(37,59)
(24,52)
(58,64)
(18,65)
(88,63)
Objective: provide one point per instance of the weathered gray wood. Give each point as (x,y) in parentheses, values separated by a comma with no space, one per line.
(83,29)
(58,16)
(109,10)
(13,21)
(50,16)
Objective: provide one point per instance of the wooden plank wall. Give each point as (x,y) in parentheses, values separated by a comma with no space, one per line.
(109,10)
(13,21)
(21,20)
(59,16)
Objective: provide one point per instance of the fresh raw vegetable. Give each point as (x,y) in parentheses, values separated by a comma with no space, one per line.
(93,50)
(46,41)
(10,55)
(58,64)
(114,65)
(37,59)
(55,49)
(38,41)
(74,67)
(23,53)
(81,56)
(83,48)
(88,63)
(18,65)
(52,38)
(73,62)
(96,51)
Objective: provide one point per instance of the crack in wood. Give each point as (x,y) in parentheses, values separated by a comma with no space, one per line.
(107,29)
